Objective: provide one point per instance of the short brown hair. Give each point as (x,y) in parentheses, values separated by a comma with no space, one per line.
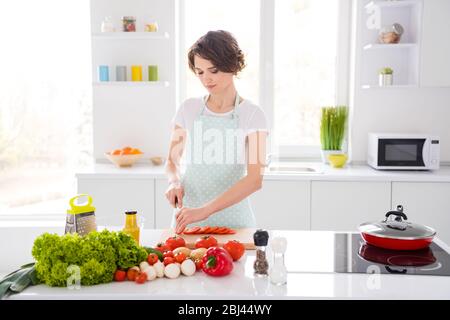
(221,48)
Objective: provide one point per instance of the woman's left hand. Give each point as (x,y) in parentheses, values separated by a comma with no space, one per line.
(189,215)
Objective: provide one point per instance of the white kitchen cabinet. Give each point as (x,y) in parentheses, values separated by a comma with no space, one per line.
(425,203)
(435,67)
(112,197)
(342,206)
(282,205)
(163,210)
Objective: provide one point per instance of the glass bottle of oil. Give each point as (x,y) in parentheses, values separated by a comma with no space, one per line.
(131,225)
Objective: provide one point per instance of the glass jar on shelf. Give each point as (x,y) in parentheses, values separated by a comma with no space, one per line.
(107,25)
(151,26)
(391,34)
(128,24)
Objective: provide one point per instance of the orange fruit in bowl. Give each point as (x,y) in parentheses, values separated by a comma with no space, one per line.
(127,149)
(136,151)
(116,152)
(126,152)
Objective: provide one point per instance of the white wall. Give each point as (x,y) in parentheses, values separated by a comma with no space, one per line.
(425,109)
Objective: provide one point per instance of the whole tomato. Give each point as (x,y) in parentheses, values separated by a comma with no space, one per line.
(168,260)
(161,247)
(168,254)
(198,264)
(206,242)
(120,275)
(175,242)
(235,249)
(152,258)
(180,257)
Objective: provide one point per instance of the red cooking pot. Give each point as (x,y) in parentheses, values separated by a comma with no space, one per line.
(396,234)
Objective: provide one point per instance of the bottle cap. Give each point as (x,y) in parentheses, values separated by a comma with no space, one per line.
(131,212)
(278,244)
(261,237)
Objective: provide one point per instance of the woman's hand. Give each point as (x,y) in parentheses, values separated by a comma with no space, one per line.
(189,215)
(175,191)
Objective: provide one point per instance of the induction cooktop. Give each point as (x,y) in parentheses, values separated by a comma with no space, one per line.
(349,253)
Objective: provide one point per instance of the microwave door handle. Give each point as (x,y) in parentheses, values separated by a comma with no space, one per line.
(426,154)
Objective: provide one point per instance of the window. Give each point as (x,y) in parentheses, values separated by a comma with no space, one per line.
(241,18)
(297,55)
(45,104)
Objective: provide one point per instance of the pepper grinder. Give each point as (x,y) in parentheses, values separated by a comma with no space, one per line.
(278,272)
(261,266)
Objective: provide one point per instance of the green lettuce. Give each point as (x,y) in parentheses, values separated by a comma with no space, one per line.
(97,255)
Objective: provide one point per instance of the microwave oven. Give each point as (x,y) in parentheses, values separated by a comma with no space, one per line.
(403,151)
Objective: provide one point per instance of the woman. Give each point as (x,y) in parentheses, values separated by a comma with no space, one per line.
(225,138)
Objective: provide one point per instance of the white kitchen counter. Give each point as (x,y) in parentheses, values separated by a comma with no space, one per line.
(325,173)
(241,284)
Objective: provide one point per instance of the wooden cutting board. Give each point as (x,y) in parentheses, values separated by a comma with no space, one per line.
(245,236)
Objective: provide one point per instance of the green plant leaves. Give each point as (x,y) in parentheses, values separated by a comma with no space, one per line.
(332,127)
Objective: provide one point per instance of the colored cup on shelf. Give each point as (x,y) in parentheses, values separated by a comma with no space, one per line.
(136,73)
(121,73)
(152,73)
(103,73)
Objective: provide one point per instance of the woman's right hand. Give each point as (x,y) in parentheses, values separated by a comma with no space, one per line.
(175,191)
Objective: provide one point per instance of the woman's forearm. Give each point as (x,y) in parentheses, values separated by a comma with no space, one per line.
(239,191)
(172,171)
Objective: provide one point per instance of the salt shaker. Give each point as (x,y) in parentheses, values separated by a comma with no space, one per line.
(261,266)
(278,272)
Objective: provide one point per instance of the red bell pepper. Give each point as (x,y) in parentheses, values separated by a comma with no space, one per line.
(217,262)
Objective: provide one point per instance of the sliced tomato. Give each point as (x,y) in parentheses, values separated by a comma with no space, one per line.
(203,230)
(213,230)
(222,230)
(192,230)
(231,231)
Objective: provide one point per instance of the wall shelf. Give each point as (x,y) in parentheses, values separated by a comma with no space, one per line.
(391,4)
(375,86)
(376,46)
(131,35)
(402,57)
(131,83)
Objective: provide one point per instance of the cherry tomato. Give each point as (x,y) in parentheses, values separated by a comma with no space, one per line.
(175,242)
(198,264)
(168,260)
(132,274)
(235,249)
(168,254)
(120,275)
(152,258)
(161,246)
(180,257)
(206,242)
(141,278)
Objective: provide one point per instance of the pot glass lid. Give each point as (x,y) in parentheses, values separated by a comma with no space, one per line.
(395,226)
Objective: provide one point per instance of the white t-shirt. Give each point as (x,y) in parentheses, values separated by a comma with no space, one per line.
(251,116)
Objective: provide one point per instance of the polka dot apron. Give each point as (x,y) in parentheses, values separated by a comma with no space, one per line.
(206,177)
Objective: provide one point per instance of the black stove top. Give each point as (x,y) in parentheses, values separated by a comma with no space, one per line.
(348,253)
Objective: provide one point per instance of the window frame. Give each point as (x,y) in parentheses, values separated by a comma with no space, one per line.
(267,72)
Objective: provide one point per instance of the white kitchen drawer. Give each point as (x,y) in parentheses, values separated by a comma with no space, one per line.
(163,209)
(282,205)
(112,197)
(343,206)
(425,203)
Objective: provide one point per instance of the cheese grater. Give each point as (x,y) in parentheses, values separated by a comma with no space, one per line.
(81,218)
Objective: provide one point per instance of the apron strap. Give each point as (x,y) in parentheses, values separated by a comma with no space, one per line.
(236,104)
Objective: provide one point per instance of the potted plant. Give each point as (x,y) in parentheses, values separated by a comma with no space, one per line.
(332,130)
(386,77)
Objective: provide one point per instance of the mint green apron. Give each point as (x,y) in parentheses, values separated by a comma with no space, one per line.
(205,180)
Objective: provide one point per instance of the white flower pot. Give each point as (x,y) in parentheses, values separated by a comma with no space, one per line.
(386,80)
(325,153)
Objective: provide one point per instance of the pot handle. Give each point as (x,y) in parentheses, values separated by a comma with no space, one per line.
(391,270)
(398,213)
